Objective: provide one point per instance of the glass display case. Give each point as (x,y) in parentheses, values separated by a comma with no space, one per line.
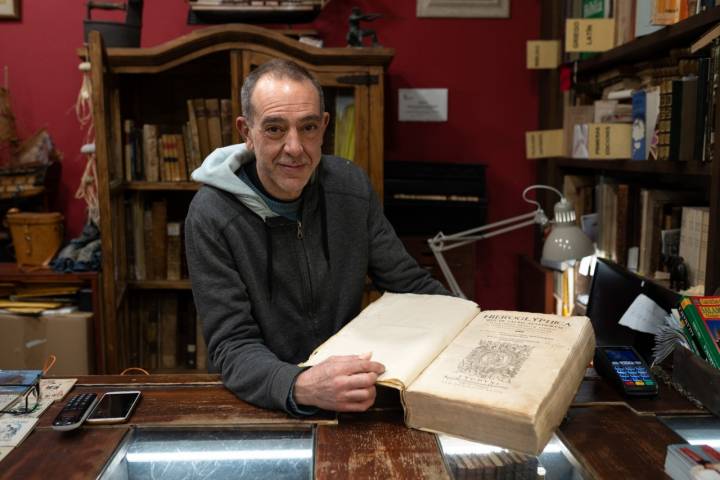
(212,452)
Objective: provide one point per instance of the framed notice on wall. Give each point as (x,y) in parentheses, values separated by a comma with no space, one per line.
(464,8)
(9,9)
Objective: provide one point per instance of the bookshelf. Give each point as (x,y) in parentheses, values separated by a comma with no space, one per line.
(149,319)
(631,57)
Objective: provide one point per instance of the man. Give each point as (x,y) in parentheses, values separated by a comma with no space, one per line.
(279,242)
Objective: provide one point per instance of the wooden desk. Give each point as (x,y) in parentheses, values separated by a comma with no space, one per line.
(607,436)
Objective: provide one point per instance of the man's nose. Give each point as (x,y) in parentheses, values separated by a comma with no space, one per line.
(293,146)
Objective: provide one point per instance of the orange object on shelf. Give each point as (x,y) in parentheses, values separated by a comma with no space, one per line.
(36,236)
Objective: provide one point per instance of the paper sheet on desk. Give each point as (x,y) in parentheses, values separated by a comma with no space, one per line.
(644,315)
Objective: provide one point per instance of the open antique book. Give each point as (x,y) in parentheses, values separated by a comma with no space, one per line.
(502,378)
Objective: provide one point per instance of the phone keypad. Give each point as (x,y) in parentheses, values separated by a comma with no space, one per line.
(633,373)
(74,409)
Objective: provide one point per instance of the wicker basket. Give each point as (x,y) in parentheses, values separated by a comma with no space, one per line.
(36,236)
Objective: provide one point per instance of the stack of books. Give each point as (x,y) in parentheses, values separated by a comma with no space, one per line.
(685,461)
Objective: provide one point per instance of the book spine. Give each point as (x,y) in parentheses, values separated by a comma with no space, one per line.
(180,151)
(159,239)
(214,124)
(675,119)
(702,333)
(638,132)
(174,246)
(689,335)
(151,147)
(226,120)
(129,150)
(202,124)
(194,152)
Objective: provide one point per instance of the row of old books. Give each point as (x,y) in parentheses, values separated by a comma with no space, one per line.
(659,111)
(644,229)
(156,251)
(636,18)
(164,333)
(170,153)
(479,461)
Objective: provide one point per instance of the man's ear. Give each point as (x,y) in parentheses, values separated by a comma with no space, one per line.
(244,128)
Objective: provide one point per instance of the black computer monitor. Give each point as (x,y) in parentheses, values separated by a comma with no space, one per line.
(613,290)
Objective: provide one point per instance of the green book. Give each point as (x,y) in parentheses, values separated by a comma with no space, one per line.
(689,336)
(593,9)
(703,315)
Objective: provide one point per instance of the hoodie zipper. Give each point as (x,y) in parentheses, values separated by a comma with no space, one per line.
(311,298)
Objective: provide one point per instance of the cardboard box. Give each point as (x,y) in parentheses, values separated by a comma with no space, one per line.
(25,342)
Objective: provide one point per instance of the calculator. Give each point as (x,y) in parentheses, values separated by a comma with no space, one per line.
(626,369)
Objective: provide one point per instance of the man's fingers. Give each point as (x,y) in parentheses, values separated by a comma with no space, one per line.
(363,396)
(358,381)
(357,366)
(349,358)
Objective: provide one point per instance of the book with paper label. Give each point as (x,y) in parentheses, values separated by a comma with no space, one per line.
(497,377)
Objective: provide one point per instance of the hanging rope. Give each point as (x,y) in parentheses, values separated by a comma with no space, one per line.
(88,188)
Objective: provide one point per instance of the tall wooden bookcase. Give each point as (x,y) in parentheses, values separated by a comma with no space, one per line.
(669,175)
(152,85)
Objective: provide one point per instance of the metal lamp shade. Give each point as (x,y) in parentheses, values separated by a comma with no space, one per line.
(566,241)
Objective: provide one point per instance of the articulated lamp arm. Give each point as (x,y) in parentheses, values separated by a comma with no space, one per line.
(442,243)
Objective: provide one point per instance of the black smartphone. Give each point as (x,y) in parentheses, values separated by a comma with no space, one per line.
(624,367)
(115,407)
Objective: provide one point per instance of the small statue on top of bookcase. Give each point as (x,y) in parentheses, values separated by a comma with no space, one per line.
(678,273)
(356,34)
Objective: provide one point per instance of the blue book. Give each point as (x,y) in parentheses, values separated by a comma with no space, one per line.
(639,106)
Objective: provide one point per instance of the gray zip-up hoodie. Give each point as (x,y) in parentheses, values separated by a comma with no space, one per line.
(269,290)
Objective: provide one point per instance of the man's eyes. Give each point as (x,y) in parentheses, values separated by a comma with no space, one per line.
(276,130)
(273,129)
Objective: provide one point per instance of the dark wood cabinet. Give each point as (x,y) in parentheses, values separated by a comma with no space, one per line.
(152,86)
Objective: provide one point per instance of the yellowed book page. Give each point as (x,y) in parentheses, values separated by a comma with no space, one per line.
(403,331)
(506,361)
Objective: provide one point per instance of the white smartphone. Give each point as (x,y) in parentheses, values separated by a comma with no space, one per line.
(115,407)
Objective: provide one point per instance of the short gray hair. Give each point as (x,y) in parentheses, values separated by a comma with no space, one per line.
(277,68)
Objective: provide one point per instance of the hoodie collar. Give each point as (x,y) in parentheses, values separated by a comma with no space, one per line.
(219,171)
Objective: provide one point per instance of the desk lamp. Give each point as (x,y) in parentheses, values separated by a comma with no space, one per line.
(565,242)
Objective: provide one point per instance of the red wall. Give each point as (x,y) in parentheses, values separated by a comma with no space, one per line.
(492,98)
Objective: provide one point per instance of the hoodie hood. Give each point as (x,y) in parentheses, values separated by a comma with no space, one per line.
(219,170)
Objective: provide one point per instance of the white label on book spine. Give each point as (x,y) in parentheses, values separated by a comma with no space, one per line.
(589,35)
(543,54)
(423,104)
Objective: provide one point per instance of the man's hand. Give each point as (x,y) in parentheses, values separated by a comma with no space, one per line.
(340,384)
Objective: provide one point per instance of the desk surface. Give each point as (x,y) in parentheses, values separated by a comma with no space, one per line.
(608,437)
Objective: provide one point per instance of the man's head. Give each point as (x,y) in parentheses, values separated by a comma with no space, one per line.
(283,123)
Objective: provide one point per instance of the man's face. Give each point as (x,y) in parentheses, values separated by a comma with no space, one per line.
(286,134)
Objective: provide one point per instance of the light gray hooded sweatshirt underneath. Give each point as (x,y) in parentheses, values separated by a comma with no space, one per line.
(269,290)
